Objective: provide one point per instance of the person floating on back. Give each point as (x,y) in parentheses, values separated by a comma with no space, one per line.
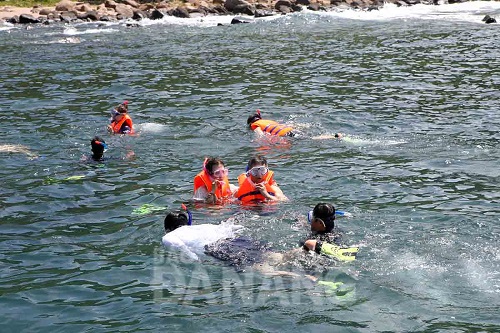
(211,184)
(121,123)
(258,184)
(261,126)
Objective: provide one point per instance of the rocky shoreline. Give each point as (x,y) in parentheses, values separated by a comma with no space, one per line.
(68,11)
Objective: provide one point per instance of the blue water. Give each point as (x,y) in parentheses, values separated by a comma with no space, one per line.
(414,89)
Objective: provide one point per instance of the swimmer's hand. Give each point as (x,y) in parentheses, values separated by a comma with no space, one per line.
(261,187)
(211,198)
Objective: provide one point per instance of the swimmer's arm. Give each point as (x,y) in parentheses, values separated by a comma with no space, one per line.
(258,131)
(233,188)
(278,194)
(200,194)
(332,250)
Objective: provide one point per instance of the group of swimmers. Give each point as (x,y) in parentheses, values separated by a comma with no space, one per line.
(255,185)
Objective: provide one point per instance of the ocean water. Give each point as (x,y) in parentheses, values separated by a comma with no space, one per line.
(415,90)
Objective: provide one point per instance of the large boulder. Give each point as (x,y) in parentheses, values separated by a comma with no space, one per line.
(131,3)
(285,3)
(180,12)
(27,18)
(232,4)
(68,16)
(65,6)
(124,11)
(156,14)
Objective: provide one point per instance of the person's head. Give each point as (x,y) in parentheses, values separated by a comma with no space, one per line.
(257,169)
(253,118)
(122,108)
(174,220)
(98,146)
(322,218)
(215,167)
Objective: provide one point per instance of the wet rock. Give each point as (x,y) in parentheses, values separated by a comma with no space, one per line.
(27,19)
(67,16)
(238,21)
(488,19)
(157,14)
(180,12)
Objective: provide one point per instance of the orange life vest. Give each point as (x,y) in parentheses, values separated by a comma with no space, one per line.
(271,127)
(116,126)
(203,179)
(248,193)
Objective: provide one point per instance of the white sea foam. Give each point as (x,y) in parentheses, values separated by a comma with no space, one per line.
(469,11)
(151,128)
(72,31)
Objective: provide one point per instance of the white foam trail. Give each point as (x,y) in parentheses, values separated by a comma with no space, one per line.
(71,31)
(151,128)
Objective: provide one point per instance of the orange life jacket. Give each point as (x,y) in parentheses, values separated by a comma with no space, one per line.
(271,127)
(248,193)
(203,179)
(116,126)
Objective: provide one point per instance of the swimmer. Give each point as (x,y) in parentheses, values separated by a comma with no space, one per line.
(211,185)
(258,184)
(261,126)
(121,123)
(98,147)
(325,239)
(191,239)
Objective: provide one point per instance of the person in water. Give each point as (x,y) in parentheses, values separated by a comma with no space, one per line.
(243,252)
(98,147)
(121,123)
(191,239)
(324,238)
(257,184)
(211,184)
(261,126)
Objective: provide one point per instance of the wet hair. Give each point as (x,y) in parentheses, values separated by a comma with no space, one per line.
(258,159)
(174,220)
(325,212)
(253,118)
(210,162)
(97,147)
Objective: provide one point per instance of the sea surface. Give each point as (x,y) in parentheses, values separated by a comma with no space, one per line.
(415,91)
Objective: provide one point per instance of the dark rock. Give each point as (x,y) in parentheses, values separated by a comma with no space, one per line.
(303,2)
(238,21)
(157,15)
(314,6)
(180,12)
(221,10)
(280,3)
(13,19)
(139,15)
(297,8)
(67,16)
(27,19)
(244,9)
(488,19)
